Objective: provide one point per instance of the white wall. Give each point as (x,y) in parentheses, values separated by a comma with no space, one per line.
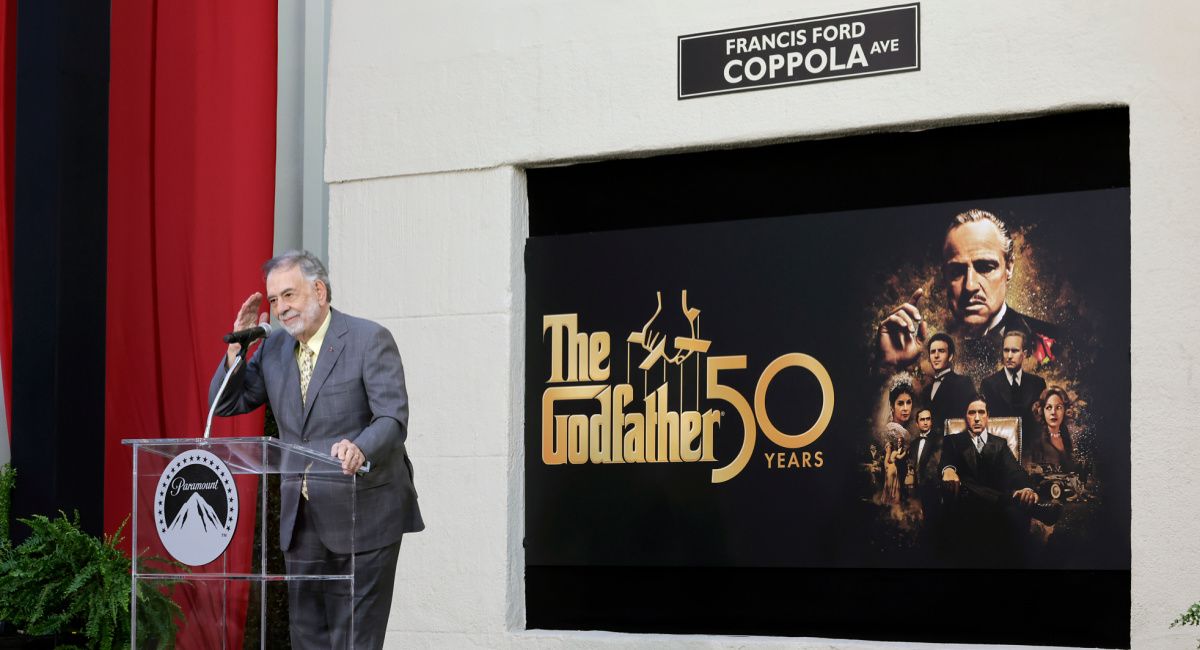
(434,107)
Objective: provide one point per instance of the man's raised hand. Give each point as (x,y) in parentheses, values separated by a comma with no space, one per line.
(247,317)
(902,334)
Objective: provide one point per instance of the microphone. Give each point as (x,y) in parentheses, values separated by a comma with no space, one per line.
(247,335)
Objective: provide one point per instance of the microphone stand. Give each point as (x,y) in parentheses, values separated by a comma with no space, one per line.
(221,391)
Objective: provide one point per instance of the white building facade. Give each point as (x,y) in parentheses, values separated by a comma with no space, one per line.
(434,111)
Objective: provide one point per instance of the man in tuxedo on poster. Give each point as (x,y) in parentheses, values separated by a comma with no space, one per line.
(977,267)
(948,392)
(335,384)
(1011,392)
(926,451)
(989,495)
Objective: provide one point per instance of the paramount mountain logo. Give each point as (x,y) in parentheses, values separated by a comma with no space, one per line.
(196,517)
(195,507)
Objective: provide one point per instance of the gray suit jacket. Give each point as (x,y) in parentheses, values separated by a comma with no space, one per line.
(356,392)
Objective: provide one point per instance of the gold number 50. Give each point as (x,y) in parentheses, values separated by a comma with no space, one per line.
(794,441)
(715,390)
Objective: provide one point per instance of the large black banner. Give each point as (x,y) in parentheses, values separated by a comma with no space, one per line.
(754,393)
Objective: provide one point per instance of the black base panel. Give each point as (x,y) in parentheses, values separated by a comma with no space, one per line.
(1065,608)
(1064,152)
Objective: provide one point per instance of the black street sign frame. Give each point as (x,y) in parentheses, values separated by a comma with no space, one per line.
(706,65)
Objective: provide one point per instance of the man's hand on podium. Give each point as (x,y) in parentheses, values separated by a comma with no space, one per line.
(351,456)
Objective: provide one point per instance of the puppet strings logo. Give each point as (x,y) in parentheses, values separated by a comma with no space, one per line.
(655,432)
(195,507)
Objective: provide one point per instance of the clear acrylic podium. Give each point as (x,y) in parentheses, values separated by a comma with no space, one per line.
(179,521)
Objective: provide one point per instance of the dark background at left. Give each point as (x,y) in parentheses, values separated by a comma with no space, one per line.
(59,256)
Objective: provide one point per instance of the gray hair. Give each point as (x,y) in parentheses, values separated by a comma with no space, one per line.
(977,215)
(310,267)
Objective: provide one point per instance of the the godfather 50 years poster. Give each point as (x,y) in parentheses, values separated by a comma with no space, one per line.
(940,385)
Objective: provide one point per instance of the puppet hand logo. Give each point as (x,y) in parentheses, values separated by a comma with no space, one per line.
(668,337)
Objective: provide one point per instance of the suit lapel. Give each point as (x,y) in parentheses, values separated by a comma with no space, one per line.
(291,384)
(949,391)
(923,456)
(331,349)
(968,452)
(1012,321)
(1029,392)
(994,446)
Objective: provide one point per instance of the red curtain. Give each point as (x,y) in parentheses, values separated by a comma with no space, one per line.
(190,219)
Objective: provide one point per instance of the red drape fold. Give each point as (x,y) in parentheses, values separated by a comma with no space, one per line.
(191,201)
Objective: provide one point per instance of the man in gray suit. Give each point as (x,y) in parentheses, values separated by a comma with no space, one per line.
(336,385)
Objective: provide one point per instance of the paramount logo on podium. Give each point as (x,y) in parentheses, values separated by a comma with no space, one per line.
(195,507)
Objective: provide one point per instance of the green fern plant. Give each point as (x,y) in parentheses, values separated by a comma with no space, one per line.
(1190,617)
(61,580)
(8,477)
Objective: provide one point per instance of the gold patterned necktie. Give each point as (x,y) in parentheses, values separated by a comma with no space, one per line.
(307,364)
(306,371)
